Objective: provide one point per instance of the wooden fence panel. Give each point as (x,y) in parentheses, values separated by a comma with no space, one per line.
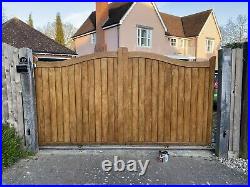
(124,98)
(12,104)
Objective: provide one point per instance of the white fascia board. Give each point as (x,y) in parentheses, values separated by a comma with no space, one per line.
(88,33)
(158,13)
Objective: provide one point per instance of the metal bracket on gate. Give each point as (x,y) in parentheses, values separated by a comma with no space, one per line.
(22,67)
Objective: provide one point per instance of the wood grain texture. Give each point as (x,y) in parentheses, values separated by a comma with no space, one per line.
(111,101)
(141,120)
(104,100)
(98,100)
(135,100)
(148,101)
(78,101)
(85,102)
(124,98)
(155,82)
(52,97)
(59,104)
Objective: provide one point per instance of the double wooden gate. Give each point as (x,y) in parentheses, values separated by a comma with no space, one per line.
(124,98)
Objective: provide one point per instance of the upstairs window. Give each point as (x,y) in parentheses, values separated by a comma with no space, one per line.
(93,38)
(209,45)
(144,37)
(173,42)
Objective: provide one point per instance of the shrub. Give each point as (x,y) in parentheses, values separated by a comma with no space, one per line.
(12,149)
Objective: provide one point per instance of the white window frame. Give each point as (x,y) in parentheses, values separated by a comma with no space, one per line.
(171,42)
(148,37)
(211,48)
(93,38)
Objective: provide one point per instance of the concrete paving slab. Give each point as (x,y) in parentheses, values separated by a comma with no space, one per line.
(84,167)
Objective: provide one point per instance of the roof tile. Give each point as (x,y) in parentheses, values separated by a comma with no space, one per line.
(18,34)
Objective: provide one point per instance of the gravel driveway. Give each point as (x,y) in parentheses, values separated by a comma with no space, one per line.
(84,167)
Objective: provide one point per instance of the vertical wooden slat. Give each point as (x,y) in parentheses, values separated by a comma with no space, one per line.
(135,93)
(168,83)
(199,127)
(194,94)
(180,115)
(148,100)
(39,105)
(116,127)
(155,75)
(98,100)
(161,103)
(85,103)
(59,104)
(79,109)
(72,104)
(122,58)
(46,106)
(187,104)
(91,87)
(174,110)
(52,95)
(65,86)
(126,101)
(111,99)
(104,100)
(130,109)
(141,99)
(205,106)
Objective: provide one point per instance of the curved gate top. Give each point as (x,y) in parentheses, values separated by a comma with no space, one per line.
(124,98)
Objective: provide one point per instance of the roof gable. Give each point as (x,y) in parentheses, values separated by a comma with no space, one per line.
(116,12)
(193,24)
(174,24)
(187,26)
(18,34)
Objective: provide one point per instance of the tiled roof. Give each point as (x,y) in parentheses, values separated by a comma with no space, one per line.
(18,34)
(186,26)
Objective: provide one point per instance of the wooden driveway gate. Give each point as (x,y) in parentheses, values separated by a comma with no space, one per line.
(124,98)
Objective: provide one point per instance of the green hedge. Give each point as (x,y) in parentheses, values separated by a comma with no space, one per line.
(12,149)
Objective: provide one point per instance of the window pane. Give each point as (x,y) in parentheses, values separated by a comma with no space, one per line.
(144,37)
(143,33)
(143,41)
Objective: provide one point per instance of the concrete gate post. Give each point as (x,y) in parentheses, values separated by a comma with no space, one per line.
(26,68)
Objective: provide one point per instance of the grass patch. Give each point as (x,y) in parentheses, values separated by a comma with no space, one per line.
(12,149)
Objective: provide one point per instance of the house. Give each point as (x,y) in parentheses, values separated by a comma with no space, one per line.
(141,27)
(18,34)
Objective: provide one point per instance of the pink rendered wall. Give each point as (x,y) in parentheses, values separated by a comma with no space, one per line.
(84,46)
(144,14)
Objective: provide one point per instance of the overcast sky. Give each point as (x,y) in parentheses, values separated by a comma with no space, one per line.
(77,12)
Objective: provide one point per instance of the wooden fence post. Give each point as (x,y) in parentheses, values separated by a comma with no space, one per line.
(244,106)
(235,111)
(224,99)
(29,104)
(12,107)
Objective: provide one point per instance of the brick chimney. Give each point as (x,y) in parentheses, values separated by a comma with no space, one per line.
(102,14)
